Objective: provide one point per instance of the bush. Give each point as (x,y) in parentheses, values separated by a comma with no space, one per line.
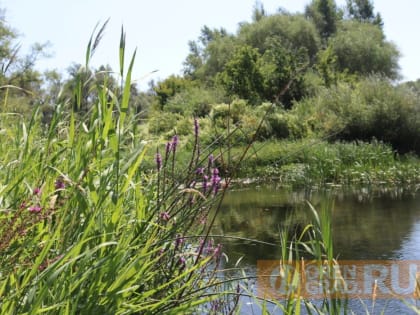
(371,109)
(194,101)
(161,122)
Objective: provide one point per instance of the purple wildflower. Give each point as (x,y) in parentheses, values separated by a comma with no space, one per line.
(217,251)
(208,248)
(211,160)
(35,209)
(196,127)
(215,171)
(178,241)
(205,179)
(168,149)
(215,180)
(164,216)
(174,142)
(59,184)
(37,191)
(200,171)
(158,161)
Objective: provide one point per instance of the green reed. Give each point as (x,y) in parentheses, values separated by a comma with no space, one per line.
(84,230)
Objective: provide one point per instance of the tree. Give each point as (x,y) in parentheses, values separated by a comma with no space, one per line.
(15,69)
(53,84)
(324,15)
(208,55)
(293,31)
(282,72)
(361,48)
(169,87)
(81,88)
(259,12)
(363,11)
(8,49)
(241,76)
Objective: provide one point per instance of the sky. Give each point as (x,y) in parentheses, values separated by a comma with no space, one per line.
(161,29)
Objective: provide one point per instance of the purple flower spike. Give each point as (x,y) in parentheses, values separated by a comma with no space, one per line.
(200,171)
(37,191)
(35,209)
(164,216)
(215,171)
(168,149)
(215,180)
(196,127)
(178,241)
(158,161)
(205,179)
(211,160)
(217,251)
(59,184)
(174,142)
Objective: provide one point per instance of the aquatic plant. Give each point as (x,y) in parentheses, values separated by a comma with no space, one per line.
(98,234)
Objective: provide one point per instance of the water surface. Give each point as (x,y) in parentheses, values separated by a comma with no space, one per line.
(367,225)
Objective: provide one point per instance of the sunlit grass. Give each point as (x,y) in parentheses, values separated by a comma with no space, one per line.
(84,230)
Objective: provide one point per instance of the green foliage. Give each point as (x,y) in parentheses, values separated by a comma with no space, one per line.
(363,11)
(87,202)
(412,86)
(234,111)
(308,163)
(327,66)
(209,55)
(195,101)
(241,76)
(361,48)
(293,31)
(18,76)
(162,122)
(325,16)
(371,109)
(282,71)
(84,230)
(169,87)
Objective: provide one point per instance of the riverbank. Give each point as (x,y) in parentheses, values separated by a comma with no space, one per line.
(319,163)
(314,163)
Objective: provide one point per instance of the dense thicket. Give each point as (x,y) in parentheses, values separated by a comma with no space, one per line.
(328,72)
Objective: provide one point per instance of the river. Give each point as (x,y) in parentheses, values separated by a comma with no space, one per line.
(381,224)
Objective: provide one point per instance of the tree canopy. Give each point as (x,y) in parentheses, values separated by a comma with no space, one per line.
(268,59)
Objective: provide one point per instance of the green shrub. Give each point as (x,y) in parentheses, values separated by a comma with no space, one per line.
(372,109)
(194,101)
(162,122)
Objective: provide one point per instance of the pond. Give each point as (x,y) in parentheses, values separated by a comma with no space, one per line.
(382,224)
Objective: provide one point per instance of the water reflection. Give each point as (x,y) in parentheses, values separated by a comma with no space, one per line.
(366,225)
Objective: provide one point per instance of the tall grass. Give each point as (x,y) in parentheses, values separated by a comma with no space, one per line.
(85,231)
(317,163)
(311,245)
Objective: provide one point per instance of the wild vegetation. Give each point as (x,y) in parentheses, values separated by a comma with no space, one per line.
(106,191)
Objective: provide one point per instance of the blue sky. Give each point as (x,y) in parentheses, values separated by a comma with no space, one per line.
(161,29)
